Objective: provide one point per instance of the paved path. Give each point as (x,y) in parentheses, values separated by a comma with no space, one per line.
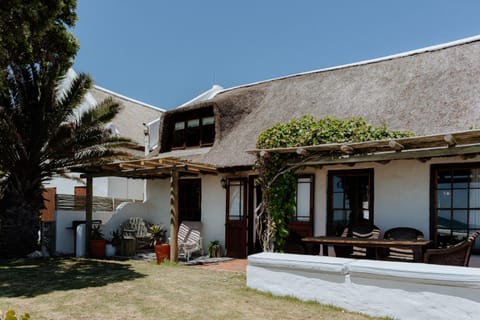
(234,265)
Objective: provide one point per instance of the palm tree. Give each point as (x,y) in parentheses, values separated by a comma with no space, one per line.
(42,133)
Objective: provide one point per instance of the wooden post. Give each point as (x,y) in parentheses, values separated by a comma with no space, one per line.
(88,213)
(174,216)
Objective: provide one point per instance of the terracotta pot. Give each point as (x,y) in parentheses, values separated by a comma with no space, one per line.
(97,248)
(162,251)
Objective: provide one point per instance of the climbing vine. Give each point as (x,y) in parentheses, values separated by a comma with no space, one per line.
(277,170)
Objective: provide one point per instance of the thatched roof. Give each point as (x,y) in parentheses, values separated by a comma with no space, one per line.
(430,91)
(129,121)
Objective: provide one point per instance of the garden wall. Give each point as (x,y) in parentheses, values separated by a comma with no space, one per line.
(378,288)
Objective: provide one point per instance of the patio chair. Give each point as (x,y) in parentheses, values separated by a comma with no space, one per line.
(189,239)
(456,255)
(401,233)
(363,230)
(137,228)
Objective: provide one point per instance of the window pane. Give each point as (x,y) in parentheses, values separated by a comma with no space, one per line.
(444,179)
(444,198)
(460,178)
(474,221)
(208,133)
(460,219)
(192,135)
(303,201)
(208,120)
(179,125)
(460,198)
(236,199)
(178,135)
(444,219)
(337,184)
(474,199)
(338,200)
(193,123)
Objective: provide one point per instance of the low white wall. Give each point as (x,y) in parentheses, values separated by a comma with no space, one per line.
(377,288)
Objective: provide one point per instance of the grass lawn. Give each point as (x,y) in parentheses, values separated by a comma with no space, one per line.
(104,289)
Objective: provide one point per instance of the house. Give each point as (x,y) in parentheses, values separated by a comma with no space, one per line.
(432,182)
(137,121)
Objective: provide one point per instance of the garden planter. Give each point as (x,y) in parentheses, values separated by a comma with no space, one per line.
(97,248)
(162,251)
(110,250)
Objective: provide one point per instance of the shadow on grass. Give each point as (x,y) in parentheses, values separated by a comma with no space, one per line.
(29,278)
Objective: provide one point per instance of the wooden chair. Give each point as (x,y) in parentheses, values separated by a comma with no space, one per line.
(364,230)
(137,228)
(189,239)
(456,255)
(401,233)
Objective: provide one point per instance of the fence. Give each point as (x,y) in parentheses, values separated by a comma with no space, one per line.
(77,203)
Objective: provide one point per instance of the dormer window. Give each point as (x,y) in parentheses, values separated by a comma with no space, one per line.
(193,130)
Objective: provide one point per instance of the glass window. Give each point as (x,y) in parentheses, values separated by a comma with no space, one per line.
(236,199)
(304,199)
(194,130)
(456,205)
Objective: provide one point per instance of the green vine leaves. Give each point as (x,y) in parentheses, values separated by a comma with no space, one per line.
(277,177)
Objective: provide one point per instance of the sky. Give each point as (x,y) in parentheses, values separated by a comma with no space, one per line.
(165,53)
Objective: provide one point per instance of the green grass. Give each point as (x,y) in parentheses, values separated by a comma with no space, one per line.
(105,289)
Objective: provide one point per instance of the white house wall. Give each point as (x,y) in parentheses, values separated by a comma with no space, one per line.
(213,210)
(401,193)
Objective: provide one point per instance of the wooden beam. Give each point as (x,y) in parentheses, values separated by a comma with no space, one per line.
(414,154)
(174,216)
(450,140)
(302,152)
(384,161)
(88,214)
(394,145)
(345,148)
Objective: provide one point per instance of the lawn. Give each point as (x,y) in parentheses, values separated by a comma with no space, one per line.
(105,289)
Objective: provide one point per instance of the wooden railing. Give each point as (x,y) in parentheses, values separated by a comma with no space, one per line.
(77,203)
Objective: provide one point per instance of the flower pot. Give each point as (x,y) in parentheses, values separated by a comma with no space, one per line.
(162,252)
(110,250)
(97,248)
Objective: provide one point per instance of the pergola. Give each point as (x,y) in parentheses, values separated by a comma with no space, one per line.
(423,148)
(153,168)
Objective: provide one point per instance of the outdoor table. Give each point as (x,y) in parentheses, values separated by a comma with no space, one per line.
(418,246)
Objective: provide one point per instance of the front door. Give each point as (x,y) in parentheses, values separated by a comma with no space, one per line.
(236,219)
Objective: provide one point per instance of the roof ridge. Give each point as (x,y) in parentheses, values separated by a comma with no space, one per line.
(128,98)
(365,62)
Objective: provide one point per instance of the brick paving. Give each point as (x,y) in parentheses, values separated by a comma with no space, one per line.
(233,265)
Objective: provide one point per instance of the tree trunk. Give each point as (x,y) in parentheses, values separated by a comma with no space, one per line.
(19,225)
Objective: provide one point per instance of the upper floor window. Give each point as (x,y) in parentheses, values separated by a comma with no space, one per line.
(193,130)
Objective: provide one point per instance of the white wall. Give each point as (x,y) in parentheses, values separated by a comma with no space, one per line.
(103,187)
(377,288)
(401,193)
(213,210)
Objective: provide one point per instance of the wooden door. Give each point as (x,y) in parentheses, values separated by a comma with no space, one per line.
(236,219)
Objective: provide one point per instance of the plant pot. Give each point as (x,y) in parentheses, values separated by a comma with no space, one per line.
(97,248)
(110,250)
(162,252)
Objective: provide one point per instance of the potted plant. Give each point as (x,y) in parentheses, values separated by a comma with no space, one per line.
(162,250)
(97,242)
(214,249)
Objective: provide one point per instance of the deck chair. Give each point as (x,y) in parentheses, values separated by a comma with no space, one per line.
(189,239)
(138,228)
(456,255)
(401,233)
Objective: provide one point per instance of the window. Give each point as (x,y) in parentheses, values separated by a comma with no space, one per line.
(456,203)
(236,199)
(190,199)
(304,199)
(350,199)
(195,129)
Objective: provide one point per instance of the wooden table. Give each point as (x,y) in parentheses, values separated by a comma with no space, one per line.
(418,246)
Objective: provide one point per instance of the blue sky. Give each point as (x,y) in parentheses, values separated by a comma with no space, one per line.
(166,52)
